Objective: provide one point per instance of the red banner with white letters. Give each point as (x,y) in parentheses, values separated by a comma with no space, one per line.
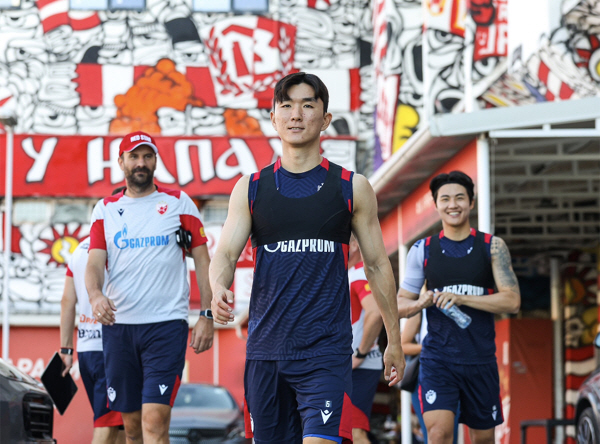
(87,166)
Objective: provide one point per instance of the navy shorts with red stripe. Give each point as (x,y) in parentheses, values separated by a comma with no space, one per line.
(476,387)
(144,363)
(364,386)
(289,400)
(91,369)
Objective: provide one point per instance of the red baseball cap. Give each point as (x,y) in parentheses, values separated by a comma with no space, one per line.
(132,140)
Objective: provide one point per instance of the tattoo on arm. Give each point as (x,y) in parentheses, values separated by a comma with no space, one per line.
(502,267)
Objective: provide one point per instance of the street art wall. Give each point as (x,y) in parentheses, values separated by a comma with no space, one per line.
(170,71)
(202,82)
(410,81)
(566,64)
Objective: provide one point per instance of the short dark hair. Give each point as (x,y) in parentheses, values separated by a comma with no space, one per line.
(457,177)
(283,86)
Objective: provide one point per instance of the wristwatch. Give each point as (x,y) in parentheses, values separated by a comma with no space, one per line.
(66,351)
(359,355)
(206,313)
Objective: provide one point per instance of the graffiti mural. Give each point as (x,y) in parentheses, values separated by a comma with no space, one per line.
(565,66)
(37,269)
(171,71)
(202,82)
(398,58)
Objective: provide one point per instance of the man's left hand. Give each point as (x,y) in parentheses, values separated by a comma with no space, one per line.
(202,335)
(446,299)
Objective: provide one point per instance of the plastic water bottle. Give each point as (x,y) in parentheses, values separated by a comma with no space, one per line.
(457,315)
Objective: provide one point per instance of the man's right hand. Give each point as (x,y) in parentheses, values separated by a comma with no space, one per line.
(103,309)
(221,306)
(425,299)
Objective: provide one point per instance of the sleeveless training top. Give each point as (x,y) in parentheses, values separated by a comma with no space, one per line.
(300,303)
(469,275)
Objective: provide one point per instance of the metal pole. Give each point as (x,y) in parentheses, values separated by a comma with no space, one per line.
(427,100)
(7,239)
(405,397)
(556,310)
(484,201)
(215,349)
(468,64)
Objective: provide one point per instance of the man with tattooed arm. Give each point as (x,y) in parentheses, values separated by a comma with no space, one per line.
(469,279)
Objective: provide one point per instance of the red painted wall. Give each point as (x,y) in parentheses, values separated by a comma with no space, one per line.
(32,347)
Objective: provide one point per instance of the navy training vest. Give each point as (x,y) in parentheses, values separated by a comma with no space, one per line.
(300,303)
(470,274)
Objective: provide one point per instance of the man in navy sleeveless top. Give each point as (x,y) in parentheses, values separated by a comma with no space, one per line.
(470,270)
(300,213)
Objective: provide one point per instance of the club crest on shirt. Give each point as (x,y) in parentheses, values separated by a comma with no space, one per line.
(162,207)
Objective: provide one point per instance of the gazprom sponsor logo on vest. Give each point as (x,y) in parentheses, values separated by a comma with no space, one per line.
(472,290)
(122,241)
(302,246)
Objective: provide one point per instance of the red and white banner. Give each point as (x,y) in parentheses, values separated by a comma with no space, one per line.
(96,83)
(87,166)
(55,13)
(491,34)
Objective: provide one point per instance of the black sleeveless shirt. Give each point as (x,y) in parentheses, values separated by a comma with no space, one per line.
(472,275)
(300,303)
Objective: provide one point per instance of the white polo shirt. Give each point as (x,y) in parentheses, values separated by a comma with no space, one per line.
(359,289)
(89,330)
(147,276)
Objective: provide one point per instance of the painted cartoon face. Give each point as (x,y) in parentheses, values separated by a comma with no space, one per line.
(207,121)
(314,39)
(171,121)
(150,44)
(22,22)
(93,120)
(25,49)
(53,119)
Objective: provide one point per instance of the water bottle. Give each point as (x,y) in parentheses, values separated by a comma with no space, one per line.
(457,315)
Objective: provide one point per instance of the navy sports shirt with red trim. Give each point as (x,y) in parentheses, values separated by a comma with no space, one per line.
(147,275)
(300,303)
(462,267)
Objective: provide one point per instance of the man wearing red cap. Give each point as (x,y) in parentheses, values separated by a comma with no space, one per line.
(143,305)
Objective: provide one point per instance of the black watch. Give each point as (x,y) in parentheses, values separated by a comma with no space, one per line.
(66,351)
(359,355)
(206,313)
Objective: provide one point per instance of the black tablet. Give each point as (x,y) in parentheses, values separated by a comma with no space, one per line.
(60,389)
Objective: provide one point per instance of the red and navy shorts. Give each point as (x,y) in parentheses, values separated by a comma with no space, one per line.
(144,363)
(443,385)
(289,400)
(91,368)
(364,386)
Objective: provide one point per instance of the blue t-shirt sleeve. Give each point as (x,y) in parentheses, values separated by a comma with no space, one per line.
(414,275)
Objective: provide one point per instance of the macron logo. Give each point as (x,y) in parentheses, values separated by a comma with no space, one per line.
(325,416)
(163,388)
